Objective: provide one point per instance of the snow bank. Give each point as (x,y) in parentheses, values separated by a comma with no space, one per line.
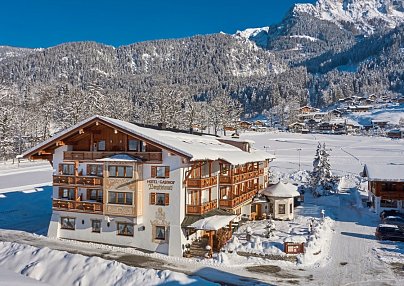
(63,268)
(318,244)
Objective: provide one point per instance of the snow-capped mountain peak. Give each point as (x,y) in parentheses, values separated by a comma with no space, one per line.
(365,16)
(257,35)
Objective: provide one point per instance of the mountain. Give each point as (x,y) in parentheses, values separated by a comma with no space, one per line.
(358,16)
(328,26)
(316,55)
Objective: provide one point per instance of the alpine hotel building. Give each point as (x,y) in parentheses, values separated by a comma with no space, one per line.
(118,183)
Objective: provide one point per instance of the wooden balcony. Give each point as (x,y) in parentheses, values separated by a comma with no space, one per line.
(231,203)
(235,179)
(391,195)
(91,156)
(201,209)
(83,181)
(202,183)
(79,206)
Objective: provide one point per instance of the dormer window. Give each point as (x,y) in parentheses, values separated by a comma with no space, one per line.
(133,145)
(101,145)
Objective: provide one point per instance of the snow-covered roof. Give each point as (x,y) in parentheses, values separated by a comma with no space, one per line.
(195,147)
(120,158)
(281,190)
(381,172)
(213,222)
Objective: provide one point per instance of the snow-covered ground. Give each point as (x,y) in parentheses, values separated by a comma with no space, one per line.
(340,251)
(348,153)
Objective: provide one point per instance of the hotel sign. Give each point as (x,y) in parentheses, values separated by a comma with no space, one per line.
(160,185)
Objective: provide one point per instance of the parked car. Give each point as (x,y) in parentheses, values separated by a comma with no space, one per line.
(386,213)
(389,232)
(396,220)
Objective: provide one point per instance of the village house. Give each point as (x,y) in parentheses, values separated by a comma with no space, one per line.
(118,183)
(307,109)
(379,123)
(396,133)
(245,125)
(360,108)
(385,186)
(296,127)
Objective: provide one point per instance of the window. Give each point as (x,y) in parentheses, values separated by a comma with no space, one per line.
(133,145)
(290,208)
(160,171)
(68,223)
(120,198)
(95,195)
(160,199)
(120,171)
(94,170)
(66,169)
(281,209)
(125,229)
(101,145)
(96,225)
(160,232)
(67,194)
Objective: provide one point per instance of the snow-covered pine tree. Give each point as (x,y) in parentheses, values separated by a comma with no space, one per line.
(322,180)
(315,174)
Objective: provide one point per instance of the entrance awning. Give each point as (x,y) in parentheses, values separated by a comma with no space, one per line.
(215,222)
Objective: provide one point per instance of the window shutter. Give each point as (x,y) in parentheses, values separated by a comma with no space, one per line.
(60,169)
(167,199)
(60,193)
(167,172)
(152,198)
(153,171)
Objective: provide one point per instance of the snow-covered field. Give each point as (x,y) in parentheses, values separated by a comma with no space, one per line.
(340,251)
(348,153)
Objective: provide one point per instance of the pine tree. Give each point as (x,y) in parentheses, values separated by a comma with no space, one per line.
(315,174)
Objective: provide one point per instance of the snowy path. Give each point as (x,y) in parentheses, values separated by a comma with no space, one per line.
(352,260)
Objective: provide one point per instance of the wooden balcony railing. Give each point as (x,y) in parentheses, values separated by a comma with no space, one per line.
(391,195)
(238,178)
(202,183)
(231,203)
(80,206)
(79,180)
(90,156)
(201,209)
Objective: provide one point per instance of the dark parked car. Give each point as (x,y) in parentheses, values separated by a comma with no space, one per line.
(386,213)
(389,232)
(396,220)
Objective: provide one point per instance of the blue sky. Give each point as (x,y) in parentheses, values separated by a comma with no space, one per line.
(44,23)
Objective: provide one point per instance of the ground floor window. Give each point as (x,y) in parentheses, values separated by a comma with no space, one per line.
(96,225)
(281,209)
(125,229)
(160,232)
(68,223)
(388,203)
